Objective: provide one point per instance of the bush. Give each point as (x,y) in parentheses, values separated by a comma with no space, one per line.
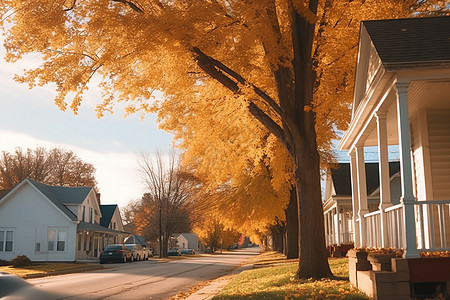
(21,261)
(4,263)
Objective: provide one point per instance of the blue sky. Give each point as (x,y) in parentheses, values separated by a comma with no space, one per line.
(29,118)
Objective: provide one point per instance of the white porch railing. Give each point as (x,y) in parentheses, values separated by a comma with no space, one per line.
(373,221)
(432,223)
(395,230)
(344,238)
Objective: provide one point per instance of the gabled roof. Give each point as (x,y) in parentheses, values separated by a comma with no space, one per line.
(107,213)
(341,177)
(413,40)
(136,239)
(63,194)
(59,195)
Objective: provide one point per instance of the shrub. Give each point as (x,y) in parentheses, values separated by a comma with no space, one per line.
(4,263)
(21,261)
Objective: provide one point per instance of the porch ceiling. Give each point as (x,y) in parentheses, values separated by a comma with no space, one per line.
(428,95)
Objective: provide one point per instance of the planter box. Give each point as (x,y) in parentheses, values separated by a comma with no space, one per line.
(429,269)
(381,262)
(357,261)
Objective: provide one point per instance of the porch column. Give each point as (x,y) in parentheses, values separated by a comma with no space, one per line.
(338,226)
(355,201)
(330,229)
(385,188)
(407,198)
(362,194)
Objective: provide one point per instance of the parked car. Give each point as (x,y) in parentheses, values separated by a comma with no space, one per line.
(116,253)
(174,252)
(138,251)
(187,251)
(148,252)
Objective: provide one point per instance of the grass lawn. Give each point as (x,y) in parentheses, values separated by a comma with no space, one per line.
(43,268)
(273,278)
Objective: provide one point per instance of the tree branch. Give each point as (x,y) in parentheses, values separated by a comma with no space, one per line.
(222,73)
(130,4)
(267,121)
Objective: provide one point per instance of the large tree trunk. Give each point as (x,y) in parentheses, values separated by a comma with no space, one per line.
(291,211)
(313,256)
(277,236)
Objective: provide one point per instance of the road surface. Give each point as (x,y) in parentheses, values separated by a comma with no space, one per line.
(138,280)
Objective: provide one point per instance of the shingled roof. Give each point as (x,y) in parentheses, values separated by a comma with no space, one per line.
(63,194)
(341,177)
(413,40)
(107,211)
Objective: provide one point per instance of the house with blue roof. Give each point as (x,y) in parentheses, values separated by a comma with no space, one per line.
(56,223)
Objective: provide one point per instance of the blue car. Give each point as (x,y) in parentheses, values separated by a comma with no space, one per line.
(187,252)
(174,252)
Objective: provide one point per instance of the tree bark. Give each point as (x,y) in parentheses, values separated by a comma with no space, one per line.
(292,227)
(313,256)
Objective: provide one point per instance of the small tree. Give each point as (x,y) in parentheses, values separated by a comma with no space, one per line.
(170,189)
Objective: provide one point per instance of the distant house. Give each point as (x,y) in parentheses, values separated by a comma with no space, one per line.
(54,223)
(187,241)
(337,205)
(136,239)
(111,217)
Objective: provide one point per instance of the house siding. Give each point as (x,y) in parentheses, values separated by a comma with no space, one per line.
(439,140)
(31,222)
(418,158)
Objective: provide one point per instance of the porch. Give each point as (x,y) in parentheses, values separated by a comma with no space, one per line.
(92,238)
(402,103)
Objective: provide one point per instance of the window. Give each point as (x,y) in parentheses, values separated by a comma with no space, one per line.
(6,239)
(57,239)
(38,247)
(90,215)
(84,213)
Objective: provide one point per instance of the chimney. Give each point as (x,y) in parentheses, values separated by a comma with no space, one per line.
(98,198)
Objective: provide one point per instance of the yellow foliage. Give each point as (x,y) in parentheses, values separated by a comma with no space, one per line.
(141,53)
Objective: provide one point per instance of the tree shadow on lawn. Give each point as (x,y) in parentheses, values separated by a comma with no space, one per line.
(284,296)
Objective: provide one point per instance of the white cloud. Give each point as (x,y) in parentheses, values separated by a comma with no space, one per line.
(116,173)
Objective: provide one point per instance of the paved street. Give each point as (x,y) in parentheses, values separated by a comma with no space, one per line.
(141,280)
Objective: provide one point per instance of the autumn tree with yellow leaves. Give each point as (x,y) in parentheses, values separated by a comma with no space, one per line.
(283,67)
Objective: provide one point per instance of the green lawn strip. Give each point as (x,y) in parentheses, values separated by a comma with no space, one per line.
(43,268)
(276,281)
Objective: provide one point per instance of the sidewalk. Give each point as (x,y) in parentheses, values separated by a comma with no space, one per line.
(217,285)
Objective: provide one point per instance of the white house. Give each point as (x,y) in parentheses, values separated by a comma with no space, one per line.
(53,223)
(402,97)
(337,205)
(187,241)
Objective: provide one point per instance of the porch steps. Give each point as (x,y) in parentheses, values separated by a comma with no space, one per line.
(382,285)
(398,279)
